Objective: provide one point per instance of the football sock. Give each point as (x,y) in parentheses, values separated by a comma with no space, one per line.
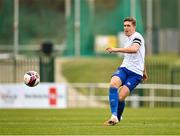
(121,105)
(113,100)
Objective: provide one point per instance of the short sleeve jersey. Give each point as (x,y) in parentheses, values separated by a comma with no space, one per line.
(134,61)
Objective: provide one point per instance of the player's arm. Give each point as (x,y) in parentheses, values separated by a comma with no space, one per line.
(131,49)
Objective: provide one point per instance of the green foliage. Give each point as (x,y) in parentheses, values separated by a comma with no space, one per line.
(41,24)
(163,121)
(39,20)
(6,22)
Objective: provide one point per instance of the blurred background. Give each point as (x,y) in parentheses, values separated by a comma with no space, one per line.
(65,41)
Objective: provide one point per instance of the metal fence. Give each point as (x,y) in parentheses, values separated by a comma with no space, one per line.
(12,69)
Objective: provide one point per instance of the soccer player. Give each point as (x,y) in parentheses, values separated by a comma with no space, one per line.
(130,73)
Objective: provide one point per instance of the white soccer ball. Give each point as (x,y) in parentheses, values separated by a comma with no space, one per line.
(31,78)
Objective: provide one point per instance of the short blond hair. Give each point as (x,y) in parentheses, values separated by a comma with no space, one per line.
(130,19)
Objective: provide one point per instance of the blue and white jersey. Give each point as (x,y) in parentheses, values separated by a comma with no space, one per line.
(134,61)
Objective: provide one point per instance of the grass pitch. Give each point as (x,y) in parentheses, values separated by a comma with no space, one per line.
(142,121)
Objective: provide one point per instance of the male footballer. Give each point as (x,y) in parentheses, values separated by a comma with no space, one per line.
(130,73)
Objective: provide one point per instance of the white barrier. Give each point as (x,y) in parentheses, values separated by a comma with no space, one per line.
(135,99)
(45,95)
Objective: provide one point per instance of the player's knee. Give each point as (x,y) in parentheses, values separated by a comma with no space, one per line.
(123,94)
(114,83)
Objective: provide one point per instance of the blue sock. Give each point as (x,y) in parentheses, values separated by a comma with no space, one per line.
(121,106)
(113,100)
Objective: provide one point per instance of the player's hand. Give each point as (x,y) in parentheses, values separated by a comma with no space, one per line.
(109,50)
(145,76)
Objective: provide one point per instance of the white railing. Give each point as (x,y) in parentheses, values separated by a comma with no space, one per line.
(90,97)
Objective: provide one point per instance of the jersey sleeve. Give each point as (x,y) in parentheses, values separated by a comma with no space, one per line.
(137,40)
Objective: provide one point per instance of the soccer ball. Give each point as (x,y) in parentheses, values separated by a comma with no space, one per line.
(31,78)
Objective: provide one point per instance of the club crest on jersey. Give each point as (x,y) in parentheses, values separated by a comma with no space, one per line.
(128,83)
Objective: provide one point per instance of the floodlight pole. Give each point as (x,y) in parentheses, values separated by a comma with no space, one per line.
(179,28)
(68,8)
(77,28)
(16,27)
(133,8)
(149,27)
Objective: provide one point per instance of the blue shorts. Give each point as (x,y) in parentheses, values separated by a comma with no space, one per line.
(128,78)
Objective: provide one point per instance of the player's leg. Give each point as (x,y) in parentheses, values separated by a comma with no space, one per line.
(113,99)
(131,82)
(121,106)
(124,92)
(116,81)
(113,94)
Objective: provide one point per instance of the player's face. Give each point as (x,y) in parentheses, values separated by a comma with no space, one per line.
(129,28)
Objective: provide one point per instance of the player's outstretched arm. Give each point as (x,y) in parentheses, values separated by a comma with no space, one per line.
(131,49)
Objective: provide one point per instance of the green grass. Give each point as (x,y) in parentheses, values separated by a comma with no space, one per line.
(89,70)
(100,69)
(143,121)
